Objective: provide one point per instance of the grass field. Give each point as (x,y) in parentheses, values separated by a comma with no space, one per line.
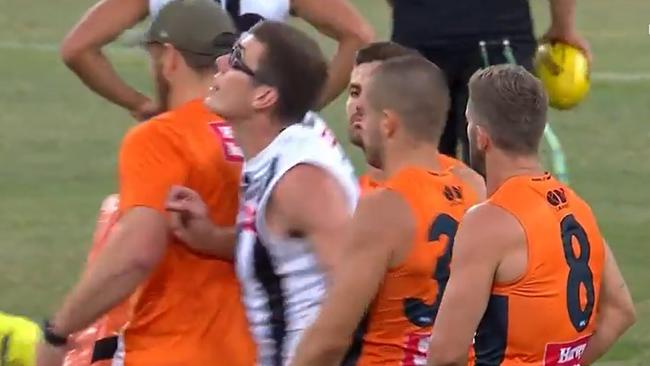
(58,144)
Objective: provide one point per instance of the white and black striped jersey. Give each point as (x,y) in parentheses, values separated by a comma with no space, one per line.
(245,13)
(282,282)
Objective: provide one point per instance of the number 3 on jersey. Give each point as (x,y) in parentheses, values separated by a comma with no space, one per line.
(580,275)
(416,310)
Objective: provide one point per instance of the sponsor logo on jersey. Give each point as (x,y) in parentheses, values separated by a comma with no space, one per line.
(231,150)
(565,354)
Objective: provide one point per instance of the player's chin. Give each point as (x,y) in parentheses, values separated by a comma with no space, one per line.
(354,135)
(210,102)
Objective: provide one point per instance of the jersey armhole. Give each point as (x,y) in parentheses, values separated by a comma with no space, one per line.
(508,286)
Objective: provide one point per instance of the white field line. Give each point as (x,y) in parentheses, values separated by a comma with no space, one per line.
(605,76)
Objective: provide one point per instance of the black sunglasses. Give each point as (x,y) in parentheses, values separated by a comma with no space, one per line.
(236,61)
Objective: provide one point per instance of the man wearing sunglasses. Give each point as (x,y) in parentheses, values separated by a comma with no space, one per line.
(185,307)
(298,187)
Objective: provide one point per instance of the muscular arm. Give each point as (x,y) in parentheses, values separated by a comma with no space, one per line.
(340,21)
(81,50)
(134,248)
(309,201)
(381,223)
(616,312)
(219,243)
(485,233)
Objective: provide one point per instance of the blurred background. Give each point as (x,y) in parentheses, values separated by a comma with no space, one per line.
(58,146)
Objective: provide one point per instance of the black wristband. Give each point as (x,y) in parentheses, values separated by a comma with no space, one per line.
(52,338)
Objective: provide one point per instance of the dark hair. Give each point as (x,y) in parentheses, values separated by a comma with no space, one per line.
(293,63)
(511,104)
(415,89)
(382,51)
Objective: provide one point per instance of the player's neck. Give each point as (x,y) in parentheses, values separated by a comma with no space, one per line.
(186,92)
(421,155)
(501,167)
(254,134)
(375,174)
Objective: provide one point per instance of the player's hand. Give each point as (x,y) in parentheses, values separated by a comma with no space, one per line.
(570,37)
(48,355)
(145,110)
(189,216)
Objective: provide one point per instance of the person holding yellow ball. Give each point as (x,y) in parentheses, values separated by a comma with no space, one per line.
(463,36)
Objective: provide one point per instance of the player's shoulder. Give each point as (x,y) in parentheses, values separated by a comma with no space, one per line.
(493,222)
(155,127)
(307,189)
(387,207)
(157,133)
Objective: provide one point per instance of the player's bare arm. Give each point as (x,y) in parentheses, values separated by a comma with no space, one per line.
(190,223)
(485,235)
(616,312)
(134,248)
(81,50)
(563,25)
(381,223)
(138,241)
(340,21)
(307,201)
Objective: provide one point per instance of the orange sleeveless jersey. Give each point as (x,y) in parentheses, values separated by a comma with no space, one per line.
(547,316)
(367,184)
(399,322)
(188,312)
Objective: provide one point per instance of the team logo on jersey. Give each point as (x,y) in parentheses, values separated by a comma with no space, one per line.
(231,150)
(557,198)
(565,354)
(453,194)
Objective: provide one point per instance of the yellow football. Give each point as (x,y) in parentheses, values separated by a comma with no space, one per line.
(18,338)
(564,71)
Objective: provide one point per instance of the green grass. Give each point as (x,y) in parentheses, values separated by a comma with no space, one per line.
(58,144)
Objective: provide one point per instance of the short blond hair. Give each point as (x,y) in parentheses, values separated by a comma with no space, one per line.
(511,104)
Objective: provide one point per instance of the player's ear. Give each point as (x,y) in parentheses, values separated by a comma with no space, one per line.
(483,140)
(265,97)
(389,122)
(169,60)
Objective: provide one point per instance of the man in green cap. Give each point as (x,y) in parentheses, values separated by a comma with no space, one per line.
(185,308)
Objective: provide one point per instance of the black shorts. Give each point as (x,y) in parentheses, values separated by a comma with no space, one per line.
(459,63)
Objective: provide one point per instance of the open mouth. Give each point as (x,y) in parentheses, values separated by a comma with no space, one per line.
(355,122)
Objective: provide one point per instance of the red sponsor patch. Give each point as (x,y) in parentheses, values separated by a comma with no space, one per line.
(415,349)
(231,150)
(565,354)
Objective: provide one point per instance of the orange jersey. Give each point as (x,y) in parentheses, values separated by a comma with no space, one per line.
(547,316)
(188,312)
(400,320)
(447,162)
(367,184)
(97,343)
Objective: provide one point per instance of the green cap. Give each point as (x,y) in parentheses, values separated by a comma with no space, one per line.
(198,28)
